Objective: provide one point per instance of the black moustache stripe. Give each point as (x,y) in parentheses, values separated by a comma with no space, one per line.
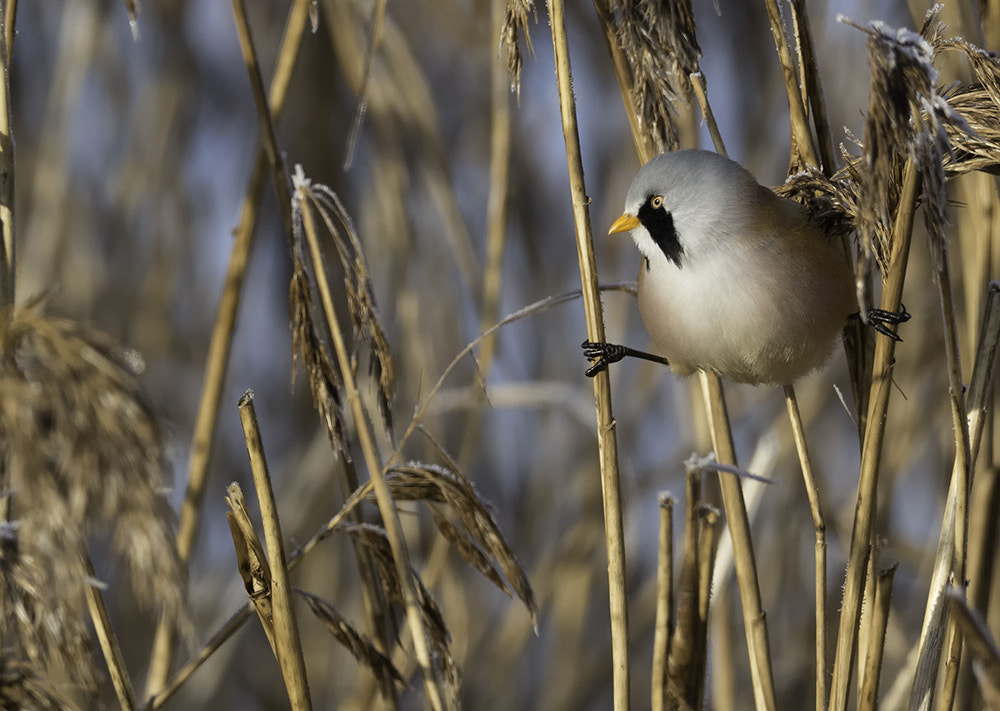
(660,225)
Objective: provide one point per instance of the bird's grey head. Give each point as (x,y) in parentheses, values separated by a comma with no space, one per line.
(679,200)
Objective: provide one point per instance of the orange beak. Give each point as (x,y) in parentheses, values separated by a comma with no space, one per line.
(624,223)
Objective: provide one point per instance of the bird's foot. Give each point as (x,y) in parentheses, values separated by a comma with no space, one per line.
(604,354)
(601,355)
(880,319)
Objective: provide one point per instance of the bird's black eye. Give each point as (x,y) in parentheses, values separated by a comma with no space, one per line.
(656,202)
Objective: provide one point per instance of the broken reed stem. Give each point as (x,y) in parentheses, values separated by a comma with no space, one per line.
(878,405)
(243,614)
(802,142)
(8,261)
(664,624)
(106,638)
(606,436)
(288,646)
(682,684)
(868,694)
(819,525)
(387,508)
(220,343)
(708,540)
(251,562)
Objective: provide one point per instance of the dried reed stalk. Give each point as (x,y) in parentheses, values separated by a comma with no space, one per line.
(982,647)
(378,19)
(9,31)
(108,641)
(619,62)
(288,647)
(306,198)
(708,543)
(684,688)
(754,617)
(606,436)
(903,81)
(698,83)
(952,555)
(664,603)
(220,343)
(803,149)
(819,526)
(269,139)
(951,546)
(724,647)
(868,693)
(985,497)
(878,405)
(811,87)
(251,561)
(739,526)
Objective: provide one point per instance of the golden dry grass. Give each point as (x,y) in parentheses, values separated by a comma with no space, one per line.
(438,521)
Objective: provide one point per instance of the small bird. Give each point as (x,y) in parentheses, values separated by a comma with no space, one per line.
(734,279)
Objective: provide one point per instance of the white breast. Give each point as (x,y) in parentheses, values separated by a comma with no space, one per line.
(763,310)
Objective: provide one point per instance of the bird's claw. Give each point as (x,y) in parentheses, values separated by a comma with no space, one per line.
(601,355)
(878,318)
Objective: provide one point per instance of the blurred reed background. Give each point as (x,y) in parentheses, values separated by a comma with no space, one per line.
(133,157)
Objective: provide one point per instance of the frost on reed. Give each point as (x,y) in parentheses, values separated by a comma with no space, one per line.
(308,343)
(82,453)
(946,131)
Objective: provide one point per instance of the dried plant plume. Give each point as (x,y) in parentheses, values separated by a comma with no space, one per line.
(308,344)
(83,453)
(660,43)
